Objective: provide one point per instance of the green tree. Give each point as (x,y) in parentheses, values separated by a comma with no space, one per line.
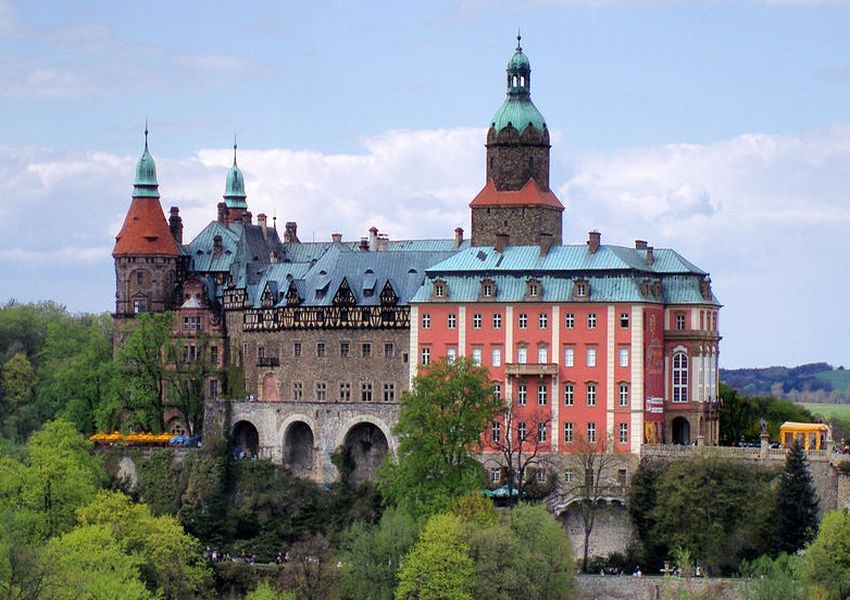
(170,562)
(440,422)
(796,504)
(548,556)
(642,501)
(88,562)
(204,509)
(439,566)
(500,571)
(187,365)
(17,382)
(142,359)
(769,579)
(826,563)
(264,591)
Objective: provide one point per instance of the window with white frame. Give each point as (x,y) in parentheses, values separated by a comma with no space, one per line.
(624,320)
(569,356)
(521,431)
(532,290)
(542,354)
(321,391)
(451,321)
(389,392)
(591,394)
(522,355)
(624,394)
(495,475)
(568,433)
(426,355)
(476,355)
(426,321)
(496,356)
(497,321)
(496,432)
(540,474)
(451,354)
(542,394)
(680,321)
(297,391)
(623,356)
(366,391)
(568,476)
(591,356)
(476,321)
(591,321)
(541,432)
(522,394)
(522,322)
(569,394)
(680,377)
(591,432)
(570,321)
(345,392)
(543,320)
(623,433)
(497,391)
(487,290)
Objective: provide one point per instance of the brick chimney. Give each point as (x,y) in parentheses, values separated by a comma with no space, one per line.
(336,238)
(593,241)
(217,245)
(458,236)
(261,221)
(290,234)
(364,245)
(222,213)
(640,244)
(545,243)
(502,241)
(246,217)
(175,224)
(650,257)
(383,242)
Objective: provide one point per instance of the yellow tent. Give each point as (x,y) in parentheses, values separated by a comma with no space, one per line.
(811,435)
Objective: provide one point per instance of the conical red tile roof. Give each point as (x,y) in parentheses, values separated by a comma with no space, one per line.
(145,231)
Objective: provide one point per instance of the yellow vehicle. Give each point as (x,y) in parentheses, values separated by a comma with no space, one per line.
(811,435)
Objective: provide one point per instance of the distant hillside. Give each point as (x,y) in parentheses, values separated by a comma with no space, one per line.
(815,382)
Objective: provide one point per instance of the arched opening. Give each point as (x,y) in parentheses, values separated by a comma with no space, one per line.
(246,440)
(681,431)
(298,448)
(270,388)
(365,446)
(175,426)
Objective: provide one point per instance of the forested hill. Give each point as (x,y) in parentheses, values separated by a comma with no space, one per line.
(814,382)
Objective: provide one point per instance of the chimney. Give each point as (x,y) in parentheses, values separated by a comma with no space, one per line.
(593,239)
(545,243)
(383,242)
(502,241)
(364,245)
(175,224)
(261,221)
(290,234)
(336,238)
(640,244)
(217,245)
(373,238)
(246,217)
(458,236)
(650,258)
(222,213)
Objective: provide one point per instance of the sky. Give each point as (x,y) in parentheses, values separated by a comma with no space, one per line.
(718,128)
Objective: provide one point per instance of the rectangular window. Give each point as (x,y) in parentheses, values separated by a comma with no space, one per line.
(213,388)
(521,431)
(568,476)
(451,354)
(192,323)
(624,356)
(522,322)
(389,349)
(476,355)
(591,321)
(624,320)
(487,291)
(540,474)
(623,433)
(320,350)
(261,352)
(297,391)
(624,394)
(569,394)
(451,321)
(591,432)
(344,349)
(140,305)
(569,356)
(389,392)
(591,394)
(543,320)
(542,394)
(496,432)
(542,354)
(568,433)
(522,355)
(497,391)
(321,391)
(476,321)
(366,349)
(214,355)
(366,391)
(680,322)
(570,321)
(345,392)
(496,356)
(426,321)
(522,394)
(497,321)
(426,355)
(541,434)
(591,356)
(296,348)
(495,475)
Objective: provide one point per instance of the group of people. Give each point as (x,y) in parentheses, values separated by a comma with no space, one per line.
(213,555)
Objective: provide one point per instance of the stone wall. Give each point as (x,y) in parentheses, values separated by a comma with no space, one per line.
(523,223)
(597,587)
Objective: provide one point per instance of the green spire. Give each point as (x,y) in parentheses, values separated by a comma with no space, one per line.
(234,187)
(518,109)
(145,185)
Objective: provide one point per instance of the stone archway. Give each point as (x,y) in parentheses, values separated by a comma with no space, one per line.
(270,388)
(298,448)
(246,440)
(366,446)
(681,429)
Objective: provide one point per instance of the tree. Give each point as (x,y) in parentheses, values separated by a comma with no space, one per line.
(17,383)
(439,566)
(548,555)
(441,420)
(521,449)
(592,463)
(826,563)
(768,579)
(796,504)
(143,363)
(186,372)
(264,591)
(311,570)
(641,501)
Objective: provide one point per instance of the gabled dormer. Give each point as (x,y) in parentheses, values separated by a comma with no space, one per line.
(293,296)
(344,296)
(388,295)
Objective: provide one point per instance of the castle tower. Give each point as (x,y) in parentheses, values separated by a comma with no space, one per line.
(516,200)
(145,253)
(234,209)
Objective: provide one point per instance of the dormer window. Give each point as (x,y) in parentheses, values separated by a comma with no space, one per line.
(488,289)
(440,290)
(581,288)
(533,289)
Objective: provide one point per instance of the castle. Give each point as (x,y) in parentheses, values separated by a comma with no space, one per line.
(581,340)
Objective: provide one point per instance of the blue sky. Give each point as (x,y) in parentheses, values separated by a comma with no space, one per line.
(718,128)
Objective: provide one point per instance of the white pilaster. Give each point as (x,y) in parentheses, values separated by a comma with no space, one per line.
(461,330)
(413,356)
(636,385)
(610,362)
(555,357)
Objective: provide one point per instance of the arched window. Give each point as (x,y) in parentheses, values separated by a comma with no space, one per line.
(680,377)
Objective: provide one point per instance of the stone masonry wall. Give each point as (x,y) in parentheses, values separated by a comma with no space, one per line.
(523,223)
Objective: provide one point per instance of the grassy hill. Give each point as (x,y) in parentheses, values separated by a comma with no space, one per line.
(814,382)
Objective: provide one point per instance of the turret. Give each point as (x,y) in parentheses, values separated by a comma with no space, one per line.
(234,194)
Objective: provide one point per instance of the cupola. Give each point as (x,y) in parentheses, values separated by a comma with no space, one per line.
(234,187)
(146,185)
(518,110)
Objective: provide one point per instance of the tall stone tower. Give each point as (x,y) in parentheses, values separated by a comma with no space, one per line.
(146,253)
(516,200)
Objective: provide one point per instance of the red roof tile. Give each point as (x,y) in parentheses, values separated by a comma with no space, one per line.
(529,195)
(145,231)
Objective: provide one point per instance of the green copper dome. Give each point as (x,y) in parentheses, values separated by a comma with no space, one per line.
(234,187)
(518,109)
(145,185)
